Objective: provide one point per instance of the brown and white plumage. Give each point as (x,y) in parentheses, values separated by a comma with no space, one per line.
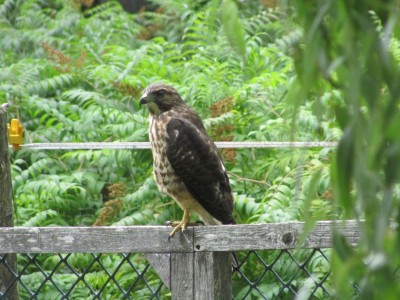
(187,165)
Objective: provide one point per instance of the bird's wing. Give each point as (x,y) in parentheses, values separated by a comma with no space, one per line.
(196,161)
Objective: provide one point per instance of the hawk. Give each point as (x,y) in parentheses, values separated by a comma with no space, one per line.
(187,164)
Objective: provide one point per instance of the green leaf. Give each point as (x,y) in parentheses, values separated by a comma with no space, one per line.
(343,170)
(233,27)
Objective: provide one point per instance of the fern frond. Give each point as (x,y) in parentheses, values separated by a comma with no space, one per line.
(42,218)
(143,194)
(33,171)
(82,97)
(246,208)
(51,85)
(290,42)
(8,11)
(143,217)
(222,119)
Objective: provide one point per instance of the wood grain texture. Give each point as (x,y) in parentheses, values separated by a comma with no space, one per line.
(151,239)
(6,207)
(271,236)
(212,278)
(161,264)
(154,239)
(182,276)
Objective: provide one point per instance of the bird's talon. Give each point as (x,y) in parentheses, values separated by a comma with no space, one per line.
(171,235)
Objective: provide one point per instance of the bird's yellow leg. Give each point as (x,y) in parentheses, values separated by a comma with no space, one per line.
(182,224)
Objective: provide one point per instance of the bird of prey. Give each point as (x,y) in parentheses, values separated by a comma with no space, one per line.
(187,164)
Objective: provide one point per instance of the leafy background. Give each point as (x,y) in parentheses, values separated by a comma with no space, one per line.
(253,72)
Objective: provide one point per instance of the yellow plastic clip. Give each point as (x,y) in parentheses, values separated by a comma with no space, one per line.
(15,134)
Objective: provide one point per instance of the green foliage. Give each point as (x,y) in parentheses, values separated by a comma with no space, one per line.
(233,27)
(354,47)
(74,77)
(285,265)
(96,276)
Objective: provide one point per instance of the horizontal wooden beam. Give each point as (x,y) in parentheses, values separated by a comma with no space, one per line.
(271,236)
(154,239)
(143,239)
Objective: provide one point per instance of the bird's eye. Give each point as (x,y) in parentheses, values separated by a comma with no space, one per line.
(160,93)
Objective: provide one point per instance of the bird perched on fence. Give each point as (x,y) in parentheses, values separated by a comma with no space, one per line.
(187,164)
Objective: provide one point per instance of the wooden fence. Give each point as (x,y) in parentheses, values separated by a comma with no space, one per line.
(193,265)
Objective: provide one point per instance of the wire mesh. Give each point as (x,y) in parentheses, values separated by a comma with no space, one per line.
(85,276)
(282,274)
(266,274)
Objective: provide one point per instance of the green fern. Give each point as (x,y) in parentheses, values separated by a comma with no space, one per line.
(42,218)
(73,77)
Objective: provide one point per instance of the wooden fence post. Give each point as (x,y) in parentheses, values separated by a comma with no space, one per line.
(212,275)
(182,286)
(201,275)
(6,209)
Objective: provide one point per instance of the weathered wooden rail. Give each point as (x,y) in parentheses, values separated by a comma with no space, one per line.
(194,265)
(154,239)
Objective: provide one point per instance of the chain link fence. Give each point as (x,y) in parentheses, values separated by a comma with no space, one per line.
(86,276)
(266,274)
(282,274)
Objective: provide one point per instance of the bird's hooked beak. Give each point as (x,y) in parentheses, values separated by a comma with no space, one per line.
(149,101)
(145,99)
